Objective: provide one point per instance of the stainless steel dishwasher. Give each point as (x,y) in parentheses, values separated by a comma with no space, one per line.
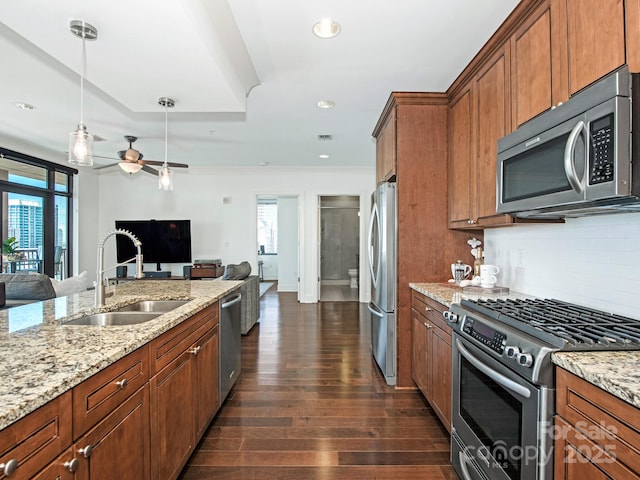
(230,335)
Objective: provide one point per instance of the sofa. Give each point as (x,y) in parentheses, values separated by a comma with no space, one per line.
(23,288)
(250,291)
(250,303)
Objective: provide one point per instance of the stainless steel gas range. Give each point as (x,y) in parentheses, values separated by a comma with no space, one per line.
(503,379)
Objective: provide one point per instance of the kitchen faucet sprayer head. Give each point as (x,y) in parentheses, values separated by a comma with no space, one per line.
(139,272)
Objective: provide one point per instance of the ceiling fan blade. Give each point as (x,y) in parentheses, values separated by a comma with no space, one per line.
(105,166)
(150,170)
(171,164)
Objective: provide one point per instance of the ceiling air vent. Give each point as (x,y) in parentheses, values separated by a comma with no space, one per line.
(325,138)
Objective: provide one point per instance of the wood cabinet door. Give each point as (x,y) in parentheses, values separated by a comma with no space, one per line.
(441,375)
(595,33)
(532,66)
(38,438)
(64,467)
(386,150)
(207,379)
(118,446)
(172,417)
(576,457)
(492,118)
(420,349)
(461,186)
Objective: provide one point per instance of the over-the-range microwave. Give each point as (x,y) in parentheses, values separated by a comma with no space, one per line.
(577,158)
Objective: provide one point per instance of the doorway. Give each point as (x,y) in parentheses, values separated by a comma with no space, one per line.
(277,241)
(339,248)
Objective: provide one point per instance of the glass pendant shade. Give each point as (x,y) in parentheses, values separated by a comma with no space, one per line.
(80,142)
(81,147)
(130,167)
(165,178)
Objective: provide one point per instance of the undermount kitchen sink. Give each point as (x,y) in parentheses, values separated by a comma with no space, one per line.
(159,306)
(114,318)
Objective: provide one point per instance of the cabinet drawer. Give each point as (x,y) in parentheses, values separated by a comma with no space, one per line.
(603,418)
(577,457)
(432,311)
(170,345)
(38,438)
(100,394)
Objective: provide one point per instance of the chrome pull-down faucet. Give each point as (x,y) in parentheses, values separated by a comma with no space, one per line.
(101,281)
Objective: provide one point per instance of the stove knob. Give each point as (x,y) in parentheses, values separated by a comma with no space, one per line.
(525,359)
(450,316)
(512,351)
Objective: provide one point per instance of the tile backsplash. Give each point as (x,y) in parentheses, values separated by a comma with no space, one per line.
(592,261)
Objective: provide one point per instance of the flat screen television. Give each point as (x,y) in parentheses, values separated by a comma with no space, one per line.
(163,241)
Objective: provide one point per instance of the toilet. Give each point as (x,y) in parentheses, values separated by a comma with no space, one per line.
(353,273)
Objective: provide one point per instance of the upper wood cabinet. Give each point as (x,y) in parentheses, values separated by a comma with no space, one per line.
(478,116)
(594,33)
(386,160)
(537,69)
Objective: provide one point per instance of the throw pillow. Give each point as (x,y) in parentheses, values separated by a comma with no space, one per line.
(70,285)
(236,272)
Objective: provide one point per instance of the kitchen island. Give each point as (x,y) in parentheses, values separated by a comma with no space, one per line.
(41,358)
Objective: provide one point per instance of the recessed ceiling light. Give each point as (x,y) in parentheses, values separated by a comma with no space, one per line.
(326,104)
(24,106)
(326,28)
(324,155)
(264,164)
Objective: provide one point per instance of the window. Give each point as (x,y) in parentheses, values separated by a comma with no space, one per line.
(268,226)
(35,210)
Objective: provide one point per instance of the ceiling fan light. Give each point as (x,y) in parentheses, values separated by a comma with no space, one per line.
(132,155)
(165,178)
(130,167)
(81,147)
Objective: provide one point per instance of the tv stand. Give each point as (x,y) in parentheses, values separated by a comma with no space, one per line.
(157,274)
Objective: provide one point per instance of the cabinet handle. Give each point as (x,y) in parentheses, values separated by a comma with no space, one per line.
(71,465)
(9,468)
(195,350)
(122,383)
(427,325)
(86,451)
(427,309)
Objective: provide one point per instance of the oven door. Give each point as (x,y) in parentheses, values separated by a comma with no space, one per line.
(501,423)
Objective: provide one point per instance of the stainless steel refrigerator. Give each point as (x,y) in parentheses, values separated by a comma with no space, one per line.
(382,259)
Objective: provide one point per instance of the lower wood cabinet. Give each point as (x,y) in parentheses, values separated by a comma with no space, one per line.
(65,467)
(137,419)
(431,352)
(34,441)
(117,447)
(597,435)
(184,391)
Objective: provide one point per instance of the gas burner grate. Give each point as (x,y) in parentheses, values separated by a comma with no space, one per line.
(576,327)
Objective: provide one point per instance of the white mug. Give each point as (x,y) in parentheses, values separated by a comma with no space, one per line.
(488,281)
(489,270)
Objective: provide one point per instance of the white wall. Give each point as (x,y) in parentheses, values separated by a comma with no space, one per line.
(228,231)
(287,244)
(593,261)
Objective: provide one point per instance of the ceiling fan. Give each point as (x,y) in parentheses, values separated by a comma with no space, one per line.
(131,160)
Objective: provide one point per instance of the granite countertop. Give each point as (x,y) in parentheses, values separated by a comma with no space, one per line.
(615,372)
(41,358)
(448,293)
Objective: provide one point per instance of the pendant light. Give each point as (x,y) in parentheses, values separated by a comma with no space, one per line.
(80,142)
(165,177)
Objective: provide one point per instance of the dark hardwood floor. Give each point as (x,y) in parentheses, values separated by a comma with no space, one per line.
(310,404)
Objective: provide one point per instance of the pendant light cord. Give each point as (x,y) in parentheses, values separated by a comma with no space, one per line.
(166,130)
(84,68)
